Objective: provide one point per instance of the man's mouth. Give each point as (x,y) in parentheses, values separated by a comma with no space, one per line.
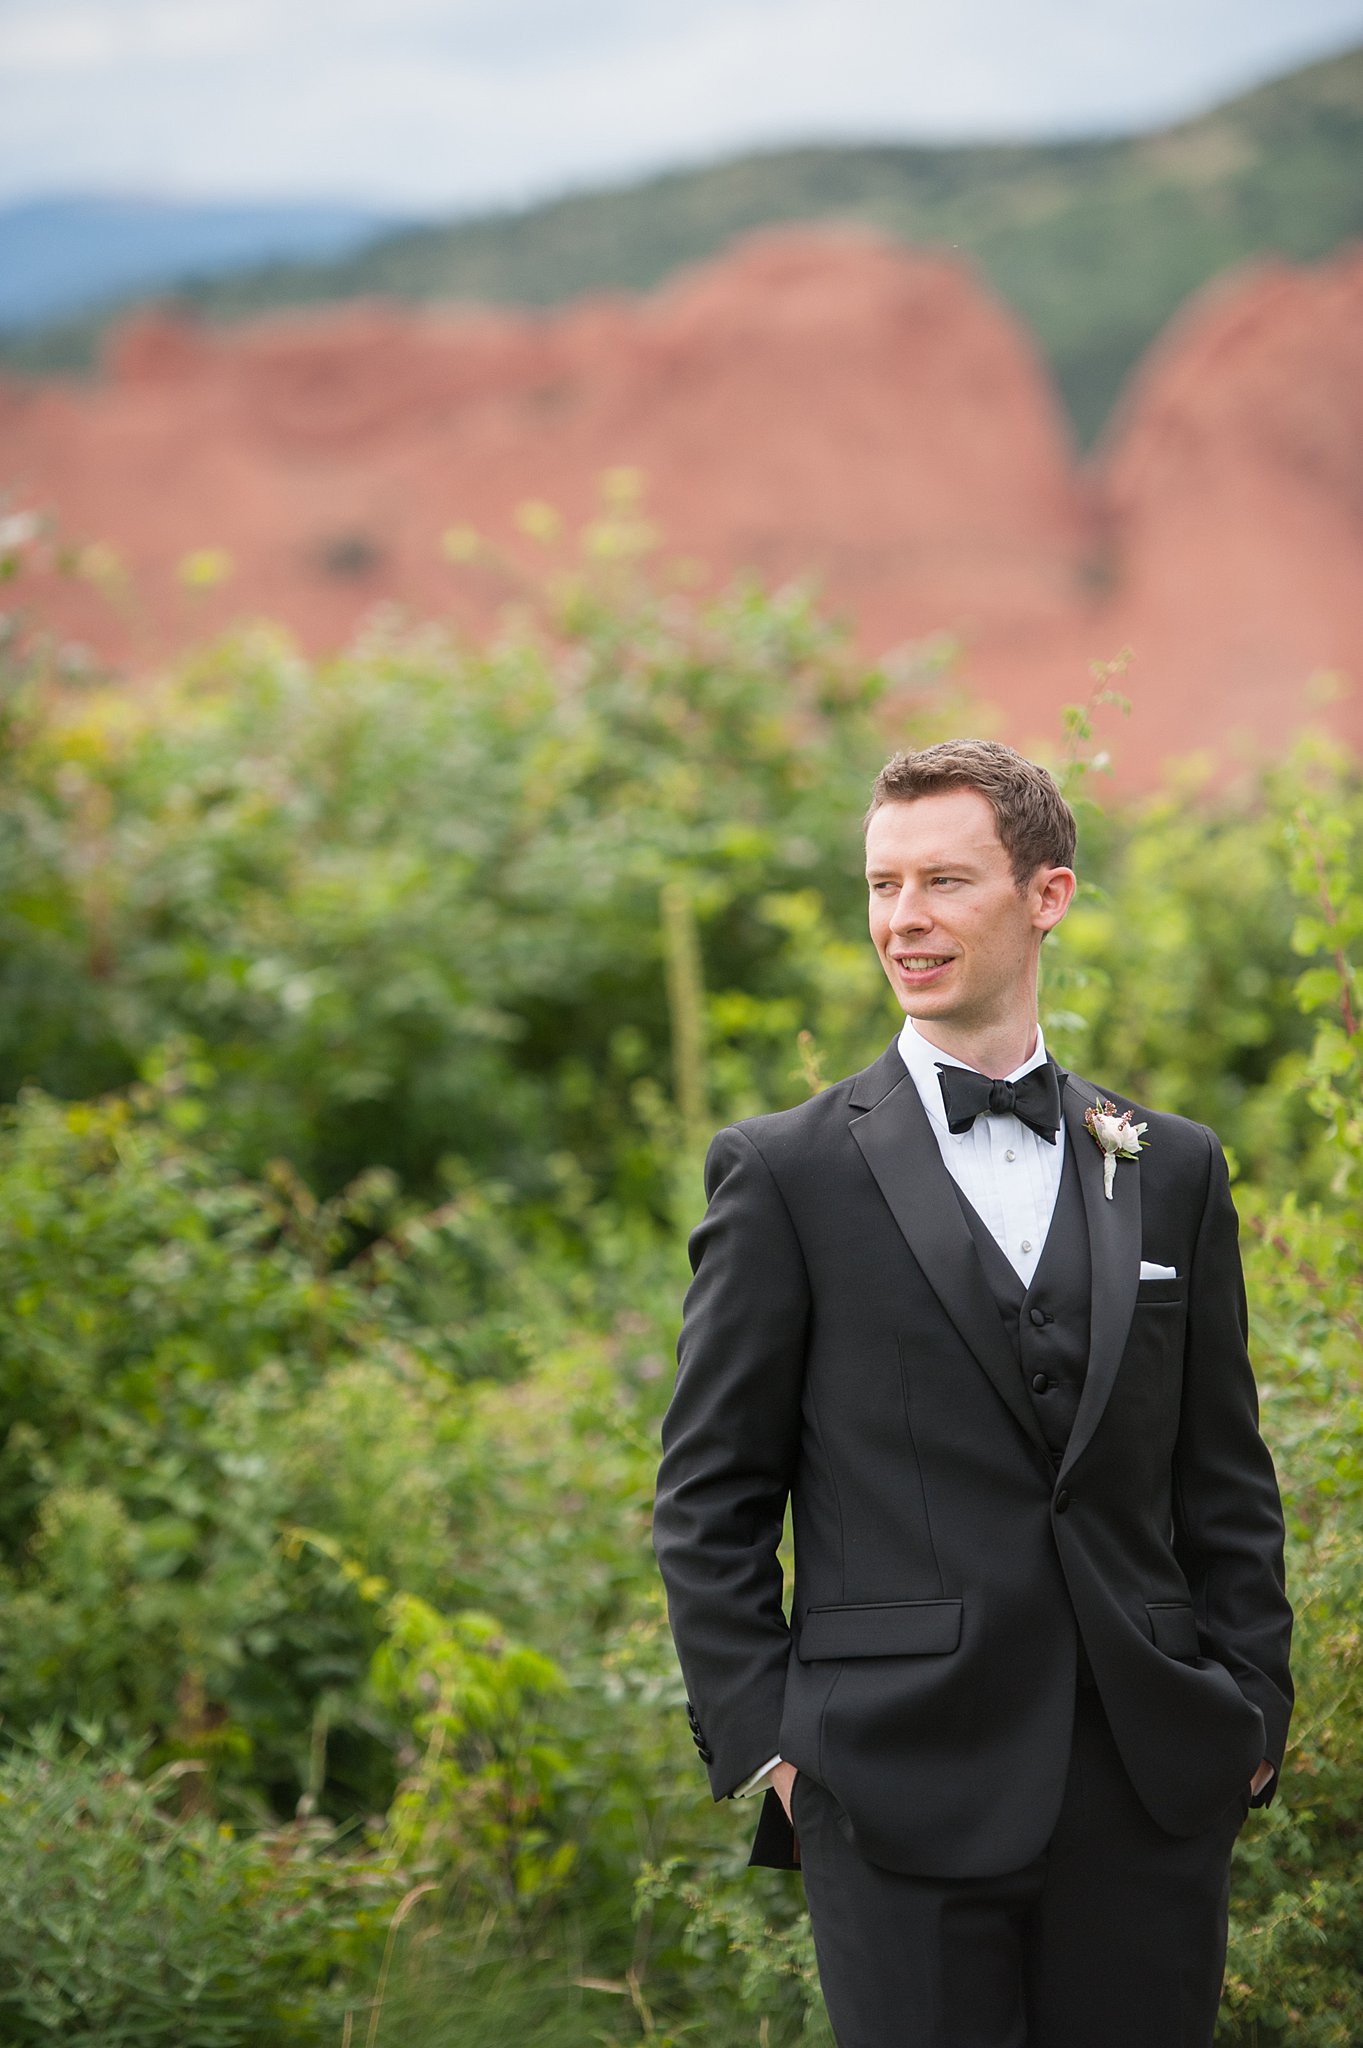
(919,963)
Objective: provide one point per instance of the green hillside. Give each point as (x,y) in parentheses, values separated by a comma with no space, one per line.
(1094,243)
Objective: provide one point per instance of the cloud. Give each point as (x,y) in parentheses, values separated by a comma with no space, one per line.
(448,103)
(100,37)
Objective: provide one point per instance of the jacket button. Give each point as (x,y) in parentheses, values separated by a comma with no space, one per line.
(1039,1317)
(1062,1501)
(1039,1383)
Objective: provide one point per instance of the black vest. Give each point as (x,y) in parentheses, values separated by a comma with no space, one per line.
(1048,1322)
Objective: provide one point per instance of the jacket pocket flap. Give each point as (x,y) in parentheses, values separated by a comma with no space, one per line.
(1174,1628)
(891,1628)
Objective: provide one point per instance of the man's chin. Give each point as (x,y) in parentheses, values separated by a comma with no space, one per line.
(938,988)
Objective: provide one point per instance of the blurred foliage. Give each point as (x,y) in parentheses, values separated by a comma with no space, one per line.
(366,1022)
(124,1922)
(1096,243)
(407,904)
(1297,1936)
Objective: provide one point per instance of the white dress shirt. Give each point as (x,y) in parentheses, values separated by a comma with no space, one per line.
(1008,1174)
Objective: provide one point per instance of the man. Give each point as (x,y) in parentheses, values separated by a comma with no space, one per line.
(991,1344)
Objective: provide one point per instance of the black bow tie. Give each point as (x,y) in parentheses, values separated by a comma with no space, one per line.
(1034,1100)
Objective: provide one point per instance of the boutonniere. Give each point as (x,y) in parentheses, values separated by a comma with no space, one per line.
(1116,1138)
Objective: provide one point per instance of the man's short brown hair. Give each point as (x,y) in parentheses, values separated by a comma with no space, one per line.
(1034,823)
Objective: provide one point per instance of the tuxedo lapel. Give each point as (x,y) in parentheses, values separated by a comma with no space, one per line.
(898,1145)
(1114,1229)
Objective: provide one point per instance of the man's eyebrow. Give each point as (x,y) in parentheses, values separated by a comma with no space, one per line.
(935,864)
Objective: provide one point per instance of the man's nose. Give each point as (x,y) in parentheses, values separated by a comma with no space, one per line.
(911,912)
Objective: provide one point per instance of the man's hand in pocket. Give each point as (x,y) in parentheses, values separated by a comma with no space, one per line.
(783,1778)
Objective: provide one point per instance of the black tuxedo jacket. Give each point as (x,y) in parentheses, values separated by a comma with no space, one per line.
(840,1346)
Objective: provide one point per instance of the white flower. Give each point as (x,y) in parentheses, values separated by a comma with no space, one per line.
(1116,1133)
(1116,1136)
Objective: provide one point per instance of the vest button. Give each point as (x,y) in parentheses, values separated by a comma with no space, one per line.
(1062,1501)
(1039,1383)
(1039,1317)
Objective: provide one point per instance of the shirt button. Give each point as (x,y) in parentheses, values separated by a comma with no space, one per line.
(1026,1244)
(1010,1153)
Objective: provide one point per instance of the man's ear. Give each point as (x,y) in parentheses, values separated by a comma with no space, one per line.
(1052,894)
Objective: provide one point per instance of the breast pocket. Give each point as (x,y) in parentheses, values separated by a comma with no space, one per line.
(1161,1293)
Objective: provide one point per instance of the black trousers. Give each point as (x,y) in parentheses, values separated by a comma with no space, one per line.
(1115,1937)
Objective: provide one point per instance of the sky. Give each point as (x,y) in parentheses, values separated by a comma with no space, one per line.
(441,106)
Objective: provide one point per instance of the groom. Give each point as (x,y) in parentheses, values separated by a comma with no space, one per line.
(1035,1669)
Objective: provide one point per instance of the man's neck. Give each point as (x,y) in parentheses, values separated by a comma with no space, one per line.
(996,1050)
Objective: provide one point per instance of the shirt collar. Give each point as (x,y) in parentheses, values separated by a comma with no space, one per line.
(922,1061)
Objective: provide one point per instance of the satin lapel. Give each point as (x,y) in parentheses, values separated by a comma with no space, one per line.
(1115,1254)
(898,1145)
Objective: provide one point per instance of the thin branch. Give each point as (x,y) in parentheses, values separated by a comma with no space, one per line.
(398,1241)
(1337,953)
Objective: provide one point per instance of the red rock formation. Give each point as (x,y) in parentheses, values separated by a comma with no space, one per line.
(814,401)
(1234,485)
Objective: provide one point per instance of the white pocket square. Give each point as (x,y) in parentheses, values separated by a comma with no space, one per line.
(1153,1272)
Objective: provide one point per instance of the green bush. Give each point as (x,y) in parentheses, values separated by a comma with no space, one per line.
(408,901)
(181,1381)
(123,1923)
